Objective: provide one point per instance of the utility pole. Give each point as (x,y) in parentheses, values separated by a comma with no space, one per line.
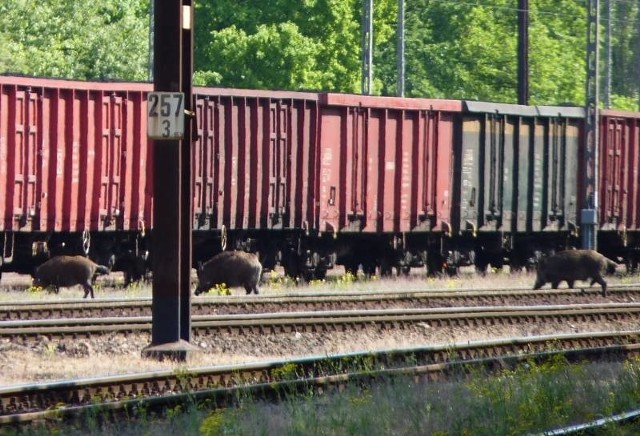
(367,47)
(523,52)
(589,215)
(151,37)
(186,195)
(607,45)
(400,49)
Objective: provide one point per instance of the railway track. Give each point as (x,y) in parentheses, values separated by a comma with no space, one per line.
(326,321)
(308,302)
(242,316)
(20,404)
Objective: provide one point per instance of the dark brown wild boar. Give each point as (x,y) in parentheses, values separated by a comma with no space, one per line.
(572,265)
(65,271)
(233,268)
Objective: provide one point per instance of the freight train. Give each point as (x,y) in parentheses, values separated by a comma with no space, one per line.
(310,180)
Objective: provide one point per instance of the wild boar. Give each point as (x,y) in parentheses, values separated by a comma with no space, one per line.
(233,268)
(65,271)
(136,267)
(572,265)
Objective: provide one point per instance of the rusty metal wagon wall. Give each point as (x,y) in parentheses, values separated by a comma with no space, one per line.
(518,180)
(385,181)
(73,160)
(309,180)
(619,187)
(254,167)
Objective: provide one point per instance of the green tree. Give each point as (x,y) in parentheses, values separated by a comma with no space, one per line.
(461,50)
(79,39)
(625,54)
(275,56)
(469,50)
(312,44)
(557,52)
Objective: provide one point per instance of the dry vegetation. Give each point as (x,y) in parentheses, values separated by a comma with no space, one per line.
(45,360)
(274,283)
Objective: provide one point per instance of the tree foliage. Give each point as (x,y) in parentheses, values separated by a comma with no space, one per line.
(82,39)
(454,49)
(469,50)
(625,53)
(292,44)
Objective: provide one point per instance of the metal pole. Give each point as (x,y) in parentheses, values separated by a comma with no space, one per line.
(151,37)
(186,196)
(607,45)
(523,52)
(367,46)
(589,215)
(400,49)
(167,307)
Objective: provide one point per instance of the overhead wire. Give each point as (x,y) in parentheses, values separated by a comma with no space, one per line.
(540,12)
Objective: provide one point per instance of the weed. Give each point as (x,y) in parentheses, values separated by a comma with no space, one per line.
(33,289)
(183,377)
(276,281)
(134,287)
(221,289)
(346,279)
(532,398)
(49,349)
(316,283)
(285,372)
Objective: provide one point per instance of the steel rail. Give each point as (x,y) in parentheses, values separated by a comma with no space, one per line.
(24,403)
(593,427)
(286,322)
(311,301)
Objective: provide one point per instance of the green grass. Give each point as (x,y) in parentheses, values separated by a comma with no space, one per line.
(532,398)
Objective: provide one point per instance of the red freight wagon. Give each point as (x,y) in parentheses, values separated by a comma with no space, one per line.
(254,172)
(386,177)
(76,173)
(308,180)
(619,186)
(73,161)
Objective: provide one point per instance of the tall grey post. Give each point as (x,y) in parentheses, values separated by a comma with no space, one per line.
(589,215)
(367,47)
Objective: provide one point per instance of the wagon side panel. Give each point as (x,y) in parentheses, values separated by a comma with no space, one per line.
(389,162)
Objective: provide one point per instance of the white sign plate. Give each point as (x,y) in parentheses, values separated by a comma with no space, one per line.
(165,115)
